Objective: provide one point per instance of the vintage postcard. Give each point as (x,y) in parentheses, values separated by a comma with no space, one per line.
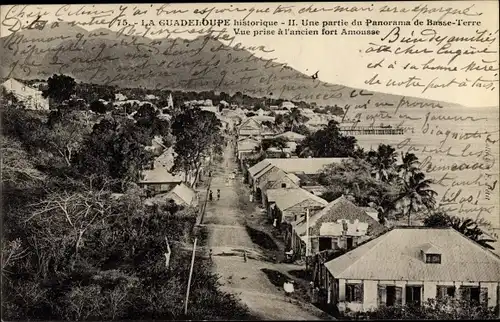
(242,161)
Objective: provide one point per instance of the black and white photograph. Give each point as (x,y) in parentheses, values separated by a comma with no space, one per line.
(250,161)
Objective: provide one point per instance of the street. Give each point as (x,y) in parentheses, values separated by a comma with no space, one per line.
(228,238)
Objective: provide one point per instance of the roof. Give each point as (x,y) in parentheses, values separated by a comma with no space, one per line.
(291,165)
(185,193)
(259,167)
(396,256)
(262,118)
(304,165)
(160,175)
(277,176)
(286,198)
(291,136)
(340,209)
(247,145)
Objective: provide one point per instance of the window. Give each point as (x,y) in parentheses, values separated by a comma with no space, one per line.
(445,291)
(283,185)
(471,293)
(354,292)
(350,242)
(433,258)
(413,295)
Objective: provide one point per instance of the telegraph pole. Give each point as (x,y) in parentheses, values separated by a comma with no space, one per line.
(190,275)
(307,239)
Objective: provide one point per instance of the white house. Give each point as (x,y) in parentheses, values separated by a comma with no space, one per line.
(411,265)
(30,97)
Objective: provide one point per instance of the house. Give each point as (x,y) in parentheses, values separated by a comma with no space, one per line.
(159,180)
(30,97)
(291,136)
(288,205)
(287,105)
(253,126)
(182,195)
(409,265)
(247,145)
(339,225)
(261,170)
(120,97)
(277,179)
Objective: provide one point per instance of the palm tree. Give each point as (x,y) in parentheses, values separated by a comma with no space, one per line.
(294,118)
(416,189)
(383,161)
(466,226)
(409,164)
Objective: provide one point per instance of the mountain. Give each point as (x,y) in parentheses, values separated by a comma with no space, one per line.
(105,57)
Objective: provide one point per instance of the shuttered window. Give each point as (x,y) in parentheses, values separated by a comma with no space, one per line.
(474,294)
(444,291)
(354,292)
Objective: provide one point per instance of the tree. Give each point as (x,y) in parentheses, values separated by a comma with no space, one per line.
(383,161)
(465,226)
(327,142)
(197,134)
(278,142)
(353,177)
(417,192)
(409,164)
(114,150)
(60,88)
(98,107)
(294,118)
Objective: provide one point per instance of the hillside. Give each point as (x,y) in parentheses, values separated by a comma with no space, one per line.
(205,63)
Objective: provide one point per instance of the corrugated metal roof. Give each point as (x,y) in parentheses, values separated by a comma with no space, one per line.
(160,175)
(286,198)
(183,192)
(396,255)
(258,167)
(291,136)
(305,165)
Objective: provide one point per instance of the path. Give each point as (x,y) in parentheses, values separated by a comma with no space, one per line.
(224,221)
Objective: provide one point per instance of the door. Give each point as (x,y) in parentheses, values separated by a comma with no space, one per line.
(349,242)
(391,295)
(325,243)
(413,295)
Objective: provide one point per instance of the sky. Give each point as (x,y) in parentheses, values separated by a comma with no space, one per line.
(339,59)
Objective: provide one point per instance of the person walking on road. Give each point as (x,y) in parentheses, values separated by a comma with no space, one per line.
(210,254)
(245,256)
(210,196)
(218,194)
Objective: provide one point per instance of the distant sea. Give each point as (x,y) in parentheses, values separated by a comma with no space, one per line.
(488,120)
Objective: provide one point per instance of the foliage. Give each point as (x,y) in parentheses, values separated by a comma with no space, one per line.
(60,88)
(417,192)
(353,177)
(383,161)
(327,142)
(278,142)
(85,255)
(432,309)
(115,150)
(465,226)
(294,118)
(98,107)
(197,134)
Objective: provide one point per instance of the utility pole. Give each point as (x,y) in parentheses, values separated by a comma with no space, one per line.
(190,275)
(307,232)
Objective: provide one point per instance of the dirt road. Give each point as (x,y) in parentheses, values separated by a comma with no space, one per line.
(224,221)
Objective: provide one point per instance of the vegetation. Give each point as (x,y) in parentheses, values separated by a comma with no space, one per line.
(72,249)
(198,135)
(465,226)
(432,309)
(328,142)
